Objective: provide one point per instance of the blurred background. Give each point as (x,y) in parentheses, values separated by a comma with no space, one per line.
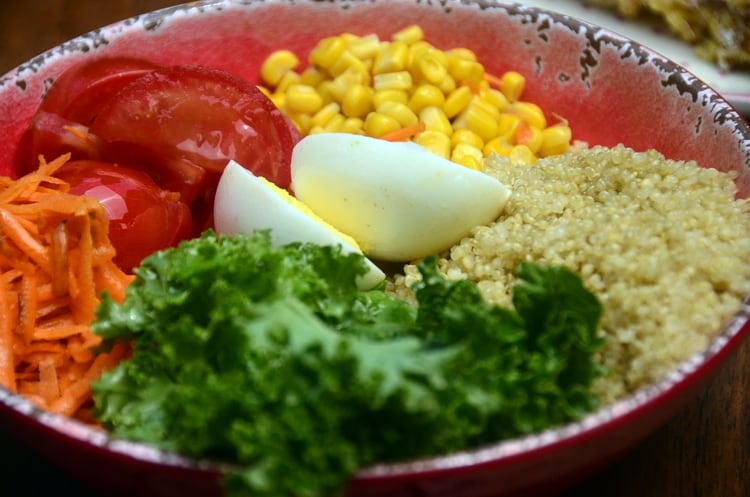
(29,27)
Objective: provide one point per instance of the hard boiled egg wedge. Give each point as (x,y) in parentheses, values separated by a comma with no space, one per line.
(399,201)
(245,203)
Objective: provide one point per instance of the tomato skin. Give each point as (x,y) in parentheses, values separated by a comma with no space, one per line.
(81,91)
(143,218)
(200,115)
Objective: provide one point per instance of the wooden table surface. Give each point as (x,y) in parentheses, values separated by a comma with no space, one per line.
(704,451)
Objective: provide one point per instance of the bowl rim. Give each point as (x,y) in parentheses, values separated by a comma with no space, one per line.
(687,372)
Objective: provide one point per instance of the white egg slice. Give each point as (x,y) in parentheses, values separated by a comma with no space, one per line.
(398,201)
(245,203)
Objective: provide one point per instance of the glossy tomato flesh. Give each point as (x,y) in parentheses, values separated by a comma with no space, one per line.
(199,115)
(143,218)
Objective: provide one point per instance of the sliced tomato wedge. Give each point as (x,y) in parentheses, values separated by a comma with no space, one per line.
(204,116)
(79,93)
(143,218)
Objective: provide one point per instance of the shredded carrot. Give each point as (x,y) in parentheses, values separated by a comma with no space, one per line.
(403,134)
(55,262)
(493,80)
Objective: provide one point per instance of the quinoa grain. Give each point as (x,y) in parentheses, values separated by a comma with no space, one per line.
(663,244)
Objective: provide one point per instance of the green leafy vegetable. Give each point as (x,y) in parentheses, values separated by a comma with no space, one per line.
(272,359)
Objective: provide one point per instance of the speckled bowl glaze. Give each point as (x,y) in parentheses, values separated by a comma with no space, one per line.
(610,89)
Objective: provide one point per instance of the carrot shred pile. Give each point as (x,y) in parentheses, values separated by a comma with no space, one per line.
(55,261)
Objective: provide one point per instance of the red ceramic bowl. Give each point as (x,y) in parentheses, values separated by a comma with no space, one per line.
(610,89)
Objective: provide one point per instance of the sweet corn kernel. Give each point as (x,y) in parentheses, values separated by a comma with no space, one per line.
(435,119)
(289,78)
(522,155)
(312,76)
(377,124)
(426,96)
(529,136)
(494,97)
(468,137)
(392,57)
(447,85)
(335,124)
(326,91)
(466,71)
(327,51)
(529,112)
(276,65)
(278,99)
(400,80)
(400,112)
(325,114)
(467,156)
(303,98)
(498,145)
(434,141)
(343,82)
(475,118)
(410,34)
(357,101)
(348,62)
(353,125)
(555,140)
(461,53)
(417,49)
(365,47)
(301,120)
(507,125)
(382,96)
(430,67)
(512,84)
(457,101)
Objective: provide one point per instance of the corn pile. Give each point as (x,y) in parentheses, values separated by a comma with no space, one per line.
(406,89)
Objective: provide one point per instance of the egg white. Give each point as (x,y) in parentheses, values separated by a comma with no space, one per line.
(245,203)
(398,201)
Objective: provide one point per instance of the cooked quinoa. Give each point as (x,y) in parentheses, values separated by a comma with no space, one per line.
(664,245)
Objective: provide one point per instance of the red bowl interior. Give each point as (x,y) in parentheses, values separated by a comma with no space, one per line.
(611,91)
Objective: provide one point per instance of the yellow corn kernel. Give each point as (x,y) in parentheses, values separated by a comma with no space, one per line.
(467,156)
(498,145)
(377,124)
(301,120)
(430,67)
(353,125)
(457,101)
(512,85)
(461,53)
(348,62)
(494,97)
(507,124)
(410,34)
(555,140)
(278,99)
(357,101)
(365,47)
(382,96)
(392,57)
(326,90)
(434,119)
(486,106)
(335,124)
(447,85)
(289,78)
(477,119)
(529,136)
(529,112)
(468,137)
(400,112)
(276,65)
(327,51)
(346,80)
(436,142)
(417,49)
(466,71)
(303,98)
(400,80)
(426,96)
(312,76)
(325,114)
(522,155)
